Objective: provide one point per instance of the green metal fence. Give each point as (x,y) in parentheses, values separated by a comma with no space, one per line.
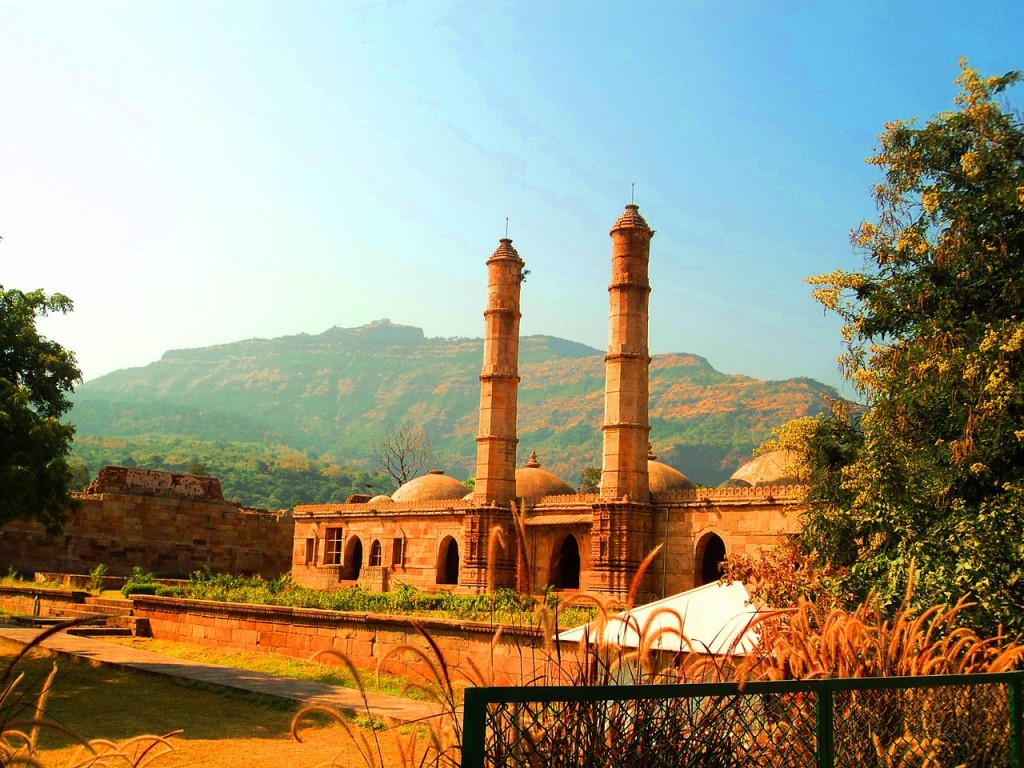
(898,722)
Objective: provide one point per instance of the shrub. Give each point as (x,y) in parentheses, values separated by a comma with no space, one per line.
(95,583)
(139,583)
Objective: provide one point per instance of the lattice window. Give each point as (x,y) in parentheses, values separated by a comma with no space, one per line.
(375,554)
(333,549)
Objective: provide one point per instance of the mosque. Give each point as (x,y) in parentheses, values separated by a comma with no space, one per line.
(528,528)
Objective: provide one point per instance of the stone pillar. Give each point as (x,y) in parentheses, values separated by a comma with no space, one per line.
(626,426)
(499,380)
(621,536)
(496,441)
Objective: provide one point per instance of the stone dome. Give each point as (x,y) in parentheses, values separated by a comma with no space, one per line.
(772,468)
(532,482)
(434,486)
(662,478)
(378,499)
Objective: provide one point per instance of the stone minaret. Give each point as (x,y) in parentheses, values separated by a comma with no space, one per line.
(499,380)
(626,426)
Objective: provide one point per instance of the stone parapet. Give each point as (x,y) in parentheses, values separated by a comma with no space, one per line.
(368,509)
(509,655)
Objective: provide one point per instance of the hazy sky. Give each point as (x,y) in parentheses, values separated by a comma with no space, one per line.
(193,173)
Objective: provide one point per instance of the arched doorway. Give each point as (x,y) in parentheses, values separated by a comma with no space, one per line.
(353,559)
(375,554)
(565,566)
(448,561)
(710,554)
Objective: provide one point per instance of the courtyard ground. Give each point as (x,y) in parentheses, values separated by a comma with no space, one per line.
(220,727)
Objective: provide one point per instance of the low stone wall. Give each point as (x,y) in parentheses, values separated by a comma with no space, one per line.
(51,602)
(514,655)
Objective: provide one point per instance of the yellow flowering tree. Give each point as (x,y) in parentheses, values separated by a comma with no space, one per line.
(933,471)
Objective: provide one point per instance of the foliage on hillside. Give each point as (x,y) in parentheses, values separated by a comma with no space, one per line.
(335,394)
(257,475)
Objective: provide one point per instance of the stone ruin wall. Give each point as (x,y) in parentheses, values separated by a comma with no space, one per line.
(147,482)
(164,522)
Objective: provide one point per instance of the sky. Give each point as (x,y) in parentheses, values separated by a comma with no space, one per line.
(197,173)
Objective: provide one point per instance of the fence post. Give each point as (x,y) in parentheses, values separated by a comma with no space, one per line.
(823,709)
(1016,721)
(474,708)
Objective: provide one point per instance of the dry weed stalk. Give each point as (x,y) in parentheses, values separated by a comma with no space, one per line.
(22,718)
(524,571)
(801,643)
(495,545)
(809,642)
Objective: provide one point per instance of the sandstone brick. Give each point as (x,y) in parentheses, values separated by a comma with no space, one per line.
(244,637)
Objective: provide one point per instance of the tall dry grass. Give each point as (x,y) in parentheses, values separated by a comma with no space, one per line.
(888,729)
(23,717)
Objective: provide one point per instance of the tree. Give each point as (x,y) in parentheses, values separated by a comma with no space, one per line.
(36,375)
(80,476)
(402,453)
(590,480)
(933,472)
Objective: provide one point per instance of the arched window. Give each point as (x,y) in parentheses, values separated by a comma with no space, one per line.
(353,559)
(710,554)
(375,556)
(565,564)
(448,561)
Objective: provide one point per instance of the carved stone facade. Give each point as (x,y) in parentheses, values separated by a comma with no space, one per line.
(521,527)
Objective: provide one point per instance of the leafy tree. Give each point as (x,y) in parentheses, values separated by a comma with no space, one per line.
(80,476)
(36,375)
(402,453)
(590,480)
(933,472)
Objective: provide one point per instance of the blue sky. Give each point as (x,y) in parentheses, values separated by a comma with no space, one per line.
(194,173)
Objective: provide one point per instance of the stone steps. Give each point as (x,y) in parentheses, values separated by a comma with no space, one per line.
(101,631)
(106,617)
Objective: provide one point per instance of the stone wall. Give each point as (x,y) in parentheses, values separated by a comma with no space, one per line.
(151,482)
(172,537)
(410,546)
(27,600)
(744,520)
(517,654)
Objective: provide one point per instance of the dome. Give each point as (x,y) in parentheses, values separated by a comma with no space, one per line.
(772,468)
(435,486)
(532,482)
(378,499)
(662,478)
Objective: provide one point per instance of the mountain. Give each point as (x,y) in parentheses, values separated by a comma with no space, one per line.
(330,396)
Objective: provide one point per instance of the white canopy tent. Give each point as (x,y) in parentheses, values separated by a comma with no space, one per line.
(715,619)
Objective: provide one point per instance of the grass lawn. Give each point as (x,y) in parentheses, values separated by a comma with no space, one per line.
(219,729)
(274,664)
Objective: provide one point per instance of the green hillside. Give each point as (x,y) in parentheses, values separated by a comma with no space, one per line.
(327,398)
